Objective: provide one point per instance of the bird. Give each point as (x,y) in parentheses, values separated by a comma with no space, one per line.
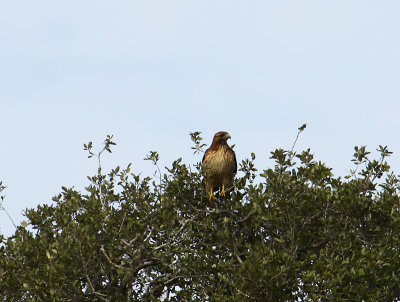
(219,165)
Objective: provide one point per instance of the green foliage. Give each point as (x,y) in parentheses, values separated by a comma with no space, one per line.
(294,233)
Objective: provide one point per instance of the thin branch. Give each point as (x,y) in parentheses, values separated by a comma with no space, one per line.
(238,259)
(100,295)
(109,259)
(247,216)
(122,223)
(130,242)
(107,143)
(2,204)
(142,266)
(148,236)
(173,236)
(301,129)
(5,211)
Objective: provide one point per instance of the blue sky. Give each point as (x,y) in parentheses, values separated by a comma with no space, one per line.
(151,72)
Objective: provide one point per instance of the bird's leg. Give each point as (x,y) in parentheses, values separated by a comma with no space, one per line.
(223,190)
(211,195)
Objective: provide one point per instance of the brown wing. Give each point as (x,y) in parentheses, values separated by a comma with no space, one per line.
(219,164)
(210,181)
(234,160)
(204,156)
(231,167)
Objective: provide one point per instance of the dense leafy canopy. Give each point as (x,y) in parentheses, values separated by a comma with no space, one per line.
(294,232)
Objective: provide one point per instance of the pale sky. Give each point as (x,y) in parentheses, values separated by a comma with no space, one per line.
(151,72)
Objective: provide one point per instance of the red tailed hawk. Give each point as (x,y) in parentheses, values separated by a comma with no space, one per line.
(219,165)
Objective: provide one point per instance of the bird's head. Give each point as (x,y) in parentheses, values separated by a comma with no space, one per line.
(221,137)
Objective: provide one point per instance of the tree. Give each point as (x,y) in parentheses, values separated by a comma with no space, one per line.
(296,233)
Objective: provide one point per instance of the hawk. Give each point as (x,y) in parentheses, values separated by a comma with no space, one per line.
(219,165)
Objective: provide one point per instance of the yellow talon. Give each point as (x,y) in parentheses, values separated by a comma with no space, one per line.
(223,190)
(211,195)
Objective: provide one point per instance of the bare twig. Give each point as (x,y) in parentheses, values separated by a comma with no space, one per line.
(2,205)
(301,129)
(173,236)
(247,216)
(148,236)
(107,146)
(122,223)
(238,259)
(109,259)
(130,242)
(100,295)
(8,214)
